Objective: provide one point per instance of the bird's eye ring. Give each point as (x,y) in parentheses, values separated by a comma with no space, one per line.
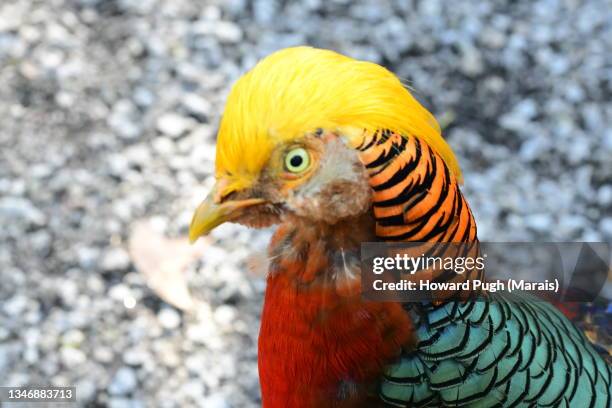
(297,160)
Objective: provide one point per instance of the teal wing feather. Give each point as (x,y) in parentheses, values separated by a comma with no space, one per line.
(506,350)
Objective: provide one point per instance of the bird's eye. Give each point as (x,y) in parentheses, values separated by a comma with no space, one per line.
(297,160)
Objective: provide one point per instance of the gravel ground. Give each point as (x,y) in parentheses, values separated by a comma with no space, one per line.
(108,112)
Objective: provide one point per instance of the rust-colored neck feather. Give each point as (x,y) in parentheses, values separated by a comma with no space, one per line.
(319,343)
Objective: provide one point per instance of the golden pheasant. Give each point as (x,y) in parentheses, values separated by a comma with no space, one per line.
(337,152)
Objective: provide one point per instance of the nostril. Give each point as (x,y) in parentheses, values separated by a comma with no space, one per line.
(225,196)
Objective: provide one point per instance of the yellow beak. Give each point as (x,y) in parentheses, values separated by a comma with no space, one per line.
(212,213)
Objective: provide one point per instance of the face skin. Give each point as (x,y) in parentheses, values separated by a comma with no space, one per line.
(329,185)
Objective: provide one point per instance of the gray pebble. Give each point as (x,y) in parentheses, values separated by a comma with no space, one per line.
(215,401)
(169,318)
(20,208)
(72,357)
(115,259)
(41,243)
(125,120)
(174,125)
(604,195)
(197,105)
(606,227)
(124,382)
(86,390)
(539,222)
(117,402)
(87,256)
(471,61)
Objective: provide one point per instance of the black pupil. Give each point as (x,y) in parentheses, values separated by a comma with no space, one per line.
(296,161)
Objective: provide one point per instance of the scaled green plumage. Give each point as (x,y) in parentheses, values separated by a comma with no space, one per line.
(526,353)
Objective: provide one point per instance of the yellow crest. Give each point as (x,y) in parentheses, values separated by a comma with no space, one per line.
(298,90)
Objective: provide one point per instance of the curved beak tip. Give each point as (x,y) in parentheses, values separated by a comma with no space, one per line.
(193,237)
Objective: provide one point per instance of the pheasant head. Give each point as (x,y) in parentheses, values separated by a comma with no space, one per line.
(288,139)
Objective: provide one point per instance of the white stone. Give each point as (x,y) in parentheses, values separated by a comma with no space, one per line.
(72,357)
(169,318)
(604,195)
(21,208)
(539,222)
(115,259)
(215,401)
(606,227)
(197,105)
(124,120)
(174,125)
(123,382)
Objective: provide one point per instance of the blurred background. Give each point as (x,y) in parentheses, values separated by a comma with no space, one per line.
(108,116)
